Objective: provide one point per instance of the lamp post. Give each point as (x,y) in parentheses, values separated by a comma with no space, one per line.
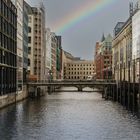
(128,93)
(100,60)
(129,70)
(92,74)
(117,77)
(49,76)
(117,73)
(113,71)
(134,70)
(124,89)
(139,85)
(124,71)
(108,72)
(120,81)
(49,80)
(2,84)
(120,71)
(134,76)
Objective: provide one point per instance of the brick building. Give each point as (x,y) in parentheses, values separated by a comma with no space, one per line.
(103,58)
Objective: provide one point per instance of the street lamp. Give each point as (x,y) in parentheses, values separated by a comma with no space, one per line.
(117,67)
(129,70)
(134,70)
(114,72)
(128,94)
(124,72)
(120,82)
(120,71)
(49,76)
(108,72)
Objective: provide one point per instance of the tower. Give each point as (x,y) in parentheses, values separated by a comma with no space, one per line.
(103,38)
(131,9)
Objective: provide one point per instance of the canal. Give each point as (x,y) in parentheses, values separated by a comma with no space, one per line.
(68,116)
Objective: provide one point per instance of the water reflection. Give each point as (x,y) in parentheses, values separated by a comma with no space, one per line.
(68,116)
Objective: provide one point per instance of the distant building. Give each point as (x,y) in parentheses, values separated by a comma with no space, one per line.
(76,69)
(136,44)
(53,55)
(36,43)
(25,41)
(48,53)
(118,27)
(19,6)
(97,47)
(79,70)
(103,58)
(136,36)
(59,58)
(126,48)
(8,48)
(66,57)
(122,53)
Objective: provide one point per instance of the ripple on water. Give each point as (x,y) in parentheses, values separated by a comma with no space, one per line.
(68,116)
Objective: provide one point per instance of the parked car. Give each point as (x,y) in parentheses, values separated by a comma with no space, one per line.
(89,78)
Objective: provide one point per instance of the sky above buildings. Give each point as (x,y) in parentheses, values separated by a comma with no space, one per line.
(81,23)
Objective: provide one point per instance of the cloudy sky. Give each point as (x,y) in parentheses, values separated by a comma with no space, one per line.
(80,37)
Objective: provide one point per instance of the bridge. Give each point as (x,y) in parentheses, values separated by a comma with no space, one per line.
(126,93)
(52,86)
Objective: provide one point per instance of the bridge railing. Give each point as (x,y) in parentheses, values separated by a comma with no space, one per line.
(75,81)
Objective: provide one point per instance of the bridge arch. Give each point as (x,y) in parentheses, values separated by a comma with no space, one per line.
(78,84)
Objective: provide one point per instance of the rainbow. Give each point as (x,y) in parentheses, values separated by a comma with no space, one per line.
(86,10)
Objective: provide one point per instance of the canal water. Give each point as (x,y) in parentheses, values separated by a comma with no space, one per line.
(68,116)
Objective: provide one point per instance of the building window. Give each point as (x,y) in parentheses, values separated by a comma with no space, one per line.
(29,29)
(29,39)
(28,62)
(29,50)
